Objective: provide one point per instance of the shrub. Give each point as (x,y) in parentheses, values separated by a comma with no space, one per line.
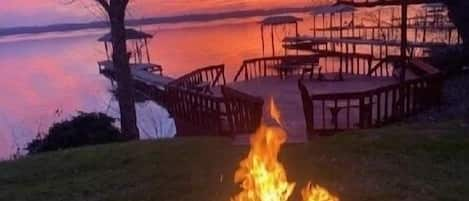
(83,129)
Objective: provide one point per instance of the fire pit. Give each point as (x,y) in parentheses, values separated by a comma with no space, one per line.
(262,176)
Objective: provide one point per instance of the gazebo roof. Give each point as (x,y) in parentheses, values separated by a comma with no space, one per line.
(131,34)
(329,9)
(278,20)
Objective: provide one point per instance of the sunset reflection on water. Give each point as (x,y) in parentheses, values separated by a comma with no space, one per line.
(48,78)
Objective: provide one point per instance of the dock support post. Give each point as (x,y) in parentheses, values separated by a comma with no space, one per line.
(262,38)
(314,26)
(323,25)
(450,34)
(107,51)
(353,24)
(330,24)
(340,26)
(424,39)
(147,51)
(403,59)
(347,58)
(273,42)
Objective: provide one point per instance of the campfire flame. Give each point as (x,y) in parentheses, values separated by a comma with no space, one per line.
(274,112)
(317,193)
(262,177)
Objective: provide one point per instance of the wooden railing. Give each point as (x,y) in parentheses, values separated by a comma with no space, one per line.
(244,112)
(348,63)
(199,110)
(351,63)
(210,76)
(343,111)
(199,113)
(203,114)
(267,66)
(384,68)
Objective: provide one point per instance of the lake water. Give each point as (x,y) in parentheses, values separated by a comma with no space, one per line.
(46,78)
(49,77)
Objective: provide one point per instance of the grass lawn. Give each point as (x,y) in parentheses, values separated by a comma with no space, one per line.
(402,162)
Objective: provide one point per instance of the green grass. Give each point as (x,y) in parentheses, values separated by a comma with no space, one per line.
(402,162)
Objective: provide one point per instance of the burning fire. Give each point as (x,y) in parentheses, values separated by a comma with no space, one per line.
(262,177)
(317,193)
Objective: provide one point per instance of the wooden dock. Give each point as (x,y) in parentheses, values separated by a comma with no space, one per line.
(358,41)
(335,88)
(148,79)
(143,72)
(287,96)
(203,103)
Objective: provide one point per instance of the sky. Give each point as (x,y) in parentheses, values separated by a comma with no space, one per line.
(43,12)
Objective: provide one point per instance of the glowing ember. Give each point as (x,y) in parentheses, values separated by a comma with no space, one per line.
(262,177)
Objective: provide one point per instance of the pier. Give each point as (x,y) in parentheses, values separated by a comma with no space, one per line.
(338,78)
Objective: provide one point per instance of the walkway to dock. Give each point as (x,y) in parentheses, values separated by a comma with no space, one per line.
(287,97)
(360,41)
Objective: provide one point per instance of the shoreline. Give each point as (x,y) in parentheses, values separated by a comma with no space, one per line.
(191,18)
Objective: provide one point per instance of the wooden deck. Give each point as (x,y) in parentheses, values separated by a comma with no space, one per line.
(287,97)
(203,100)
(148,79)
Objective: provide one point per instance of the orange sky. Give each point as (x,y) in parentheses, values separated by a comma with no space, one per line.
(40,12)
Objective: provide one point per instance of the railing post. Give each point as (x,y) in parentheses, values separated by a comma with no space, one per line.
(361,119)
(245,71)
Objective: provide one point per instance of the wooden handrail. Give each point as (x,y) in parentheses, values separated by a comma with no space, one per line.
(212,74)
(369,108)
(243,111)
(241,69)
(372,91)
(262,62)
(200,110)
(380,63)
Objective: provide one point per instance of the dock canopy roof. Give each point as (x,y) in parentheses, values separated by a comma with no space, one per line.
(330,9)
(278,20)
(132,34)
(433,5)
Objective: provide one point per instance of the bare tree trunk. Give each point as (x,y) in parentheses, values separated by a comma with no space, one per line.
(120,57)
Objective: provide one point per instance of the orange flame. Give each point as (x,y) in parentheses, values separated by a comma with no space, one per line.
(262,177)
(274,112)
(317,193)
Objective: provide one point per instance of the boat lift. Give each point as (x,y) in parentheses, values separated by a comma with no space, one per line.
(139,52)
(274,22)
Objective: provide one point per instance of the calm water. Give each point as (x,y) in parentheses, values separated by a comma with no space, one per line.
(49,77)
